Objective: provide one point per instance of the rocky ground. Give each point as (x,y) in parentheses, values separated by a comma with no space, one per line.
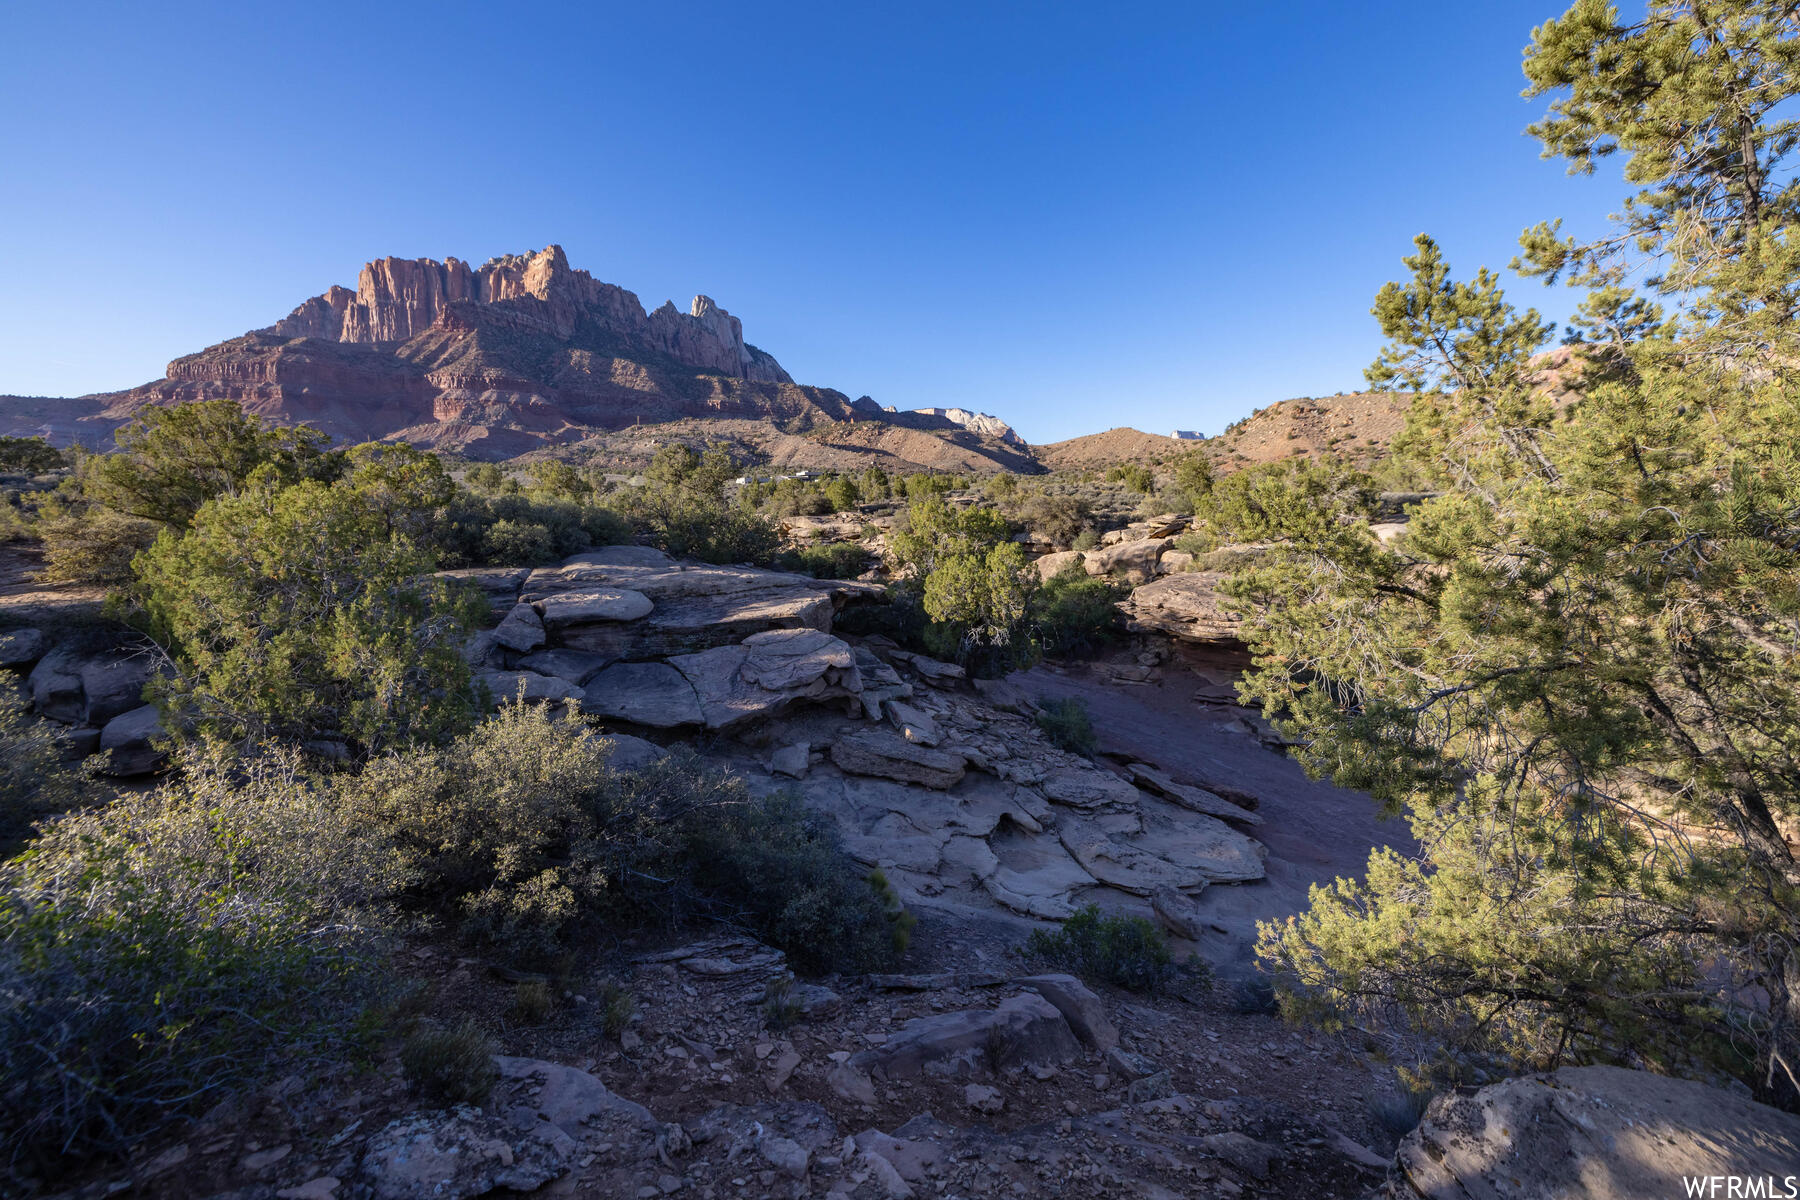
(697,1064)
(965,1075)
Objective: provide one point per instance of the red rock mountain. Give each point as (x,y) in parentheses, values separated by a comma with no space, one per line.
(519,354)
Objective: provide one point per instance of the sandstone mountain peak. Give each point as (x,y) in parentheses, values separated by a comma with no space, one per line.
(526,353)
(397,299)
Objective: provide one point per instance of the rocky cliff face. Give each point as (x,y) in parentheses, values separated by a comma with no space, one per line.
(981,423)
(521,353)
(397,299)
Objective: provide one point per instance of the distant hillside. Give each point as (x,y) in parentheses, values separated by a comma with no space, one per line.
(1356,426)
(896,444)
(1100,450)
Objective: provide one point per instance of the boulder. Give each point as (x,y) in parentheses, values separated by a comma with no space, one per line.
(462,1153)
(522,631)
(113,684)
(1084,787)
(769,671)
(1079,1006)
(576,666)
(563,1096)
(1387,531)
(1121,864)
(692,607)
(791,760)
(593,605)
(913,725)
(1023,1030)
(1135,560)
(652,694)
(1185,606)
(1204,844)
(1602,1133)
(1177,912)
(1174,562)
(20,648)
(886,755)
(930,668)
(1051,565)
(507,686)
(630,753)
(129,742)
(56,687)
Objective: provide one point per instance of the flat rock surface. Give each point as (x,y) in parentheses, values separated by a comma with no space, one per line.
(1602,1133)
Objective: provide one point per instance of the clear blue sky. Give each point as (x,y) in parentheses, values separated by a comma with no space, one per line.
(1073,216)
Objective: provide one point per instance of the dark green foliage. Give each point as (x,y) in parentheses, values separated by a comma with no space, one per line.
(308,612)
(1134,477)
(776,864)
(172,460)
(825,562)
(1127,951)
(1194,478)
(29,455)
(1067,724)
(90,544)
(1060,520)
(533,1001)
(900,921)
(34,780)
(682,509)
(780,1007)
(1074,613)
(450,1066)
(168,949)
(1579,672)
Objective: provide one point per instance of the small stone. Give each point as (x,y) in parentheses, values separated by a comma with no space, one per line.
(983,1099)
(266,1158)
(786,1156)
(784,1069)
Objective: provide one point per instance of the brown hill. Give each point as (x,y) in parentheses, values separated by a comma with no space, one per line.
(1100,450)
(520,354)
(1356,426)
(1353,425)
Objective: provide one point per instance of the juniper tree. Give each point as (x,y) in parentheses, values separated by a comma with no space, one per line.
(1579,672)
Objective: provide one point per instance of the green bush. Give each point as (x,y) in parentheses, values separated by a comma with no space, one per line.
(520,829)
(826,562)
(88,544)
(34,779)
(1076,613)
(450,1066)
(172,947)
(304,613)
(29,455)
(776,865)
(1068,726)
(1127,951)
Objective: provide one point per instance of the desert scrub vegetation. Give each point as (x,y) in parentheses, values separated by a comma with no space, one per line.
(34,780)
(167,948)
(519,832)
(1068,726)
(450,1066)
(1126,951)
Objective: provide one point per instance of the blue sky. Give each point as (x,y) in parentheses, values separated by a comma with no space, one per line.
(1072,216)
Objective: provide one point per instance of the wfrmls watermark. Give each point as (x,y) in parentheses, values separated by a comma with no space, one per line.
(1742,1187)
